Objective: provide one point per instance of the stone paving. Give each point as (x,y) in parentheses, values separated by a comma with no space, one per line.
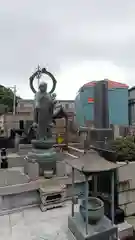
(32,224)
(11,176)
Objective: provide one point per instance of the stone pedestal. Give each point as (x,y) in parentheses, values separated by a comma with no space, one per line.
(46,158)
(45,155)
(52,196)
(103,230)
(48,174)
(61,169)
(43,144)
(33,170)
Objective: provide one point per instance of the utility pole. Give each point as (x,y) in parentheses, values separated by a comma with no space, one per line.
(14,100)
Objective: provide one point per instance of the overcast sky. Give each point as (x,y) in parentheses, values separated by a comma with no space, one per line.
(77,40)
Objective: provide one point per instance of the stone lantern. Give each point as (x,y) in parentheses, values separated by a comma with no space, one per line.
(90,221)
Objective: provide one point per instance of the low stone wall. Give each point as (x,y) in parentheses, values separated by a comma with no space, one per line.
(126,188)
(18,196)
(17,201)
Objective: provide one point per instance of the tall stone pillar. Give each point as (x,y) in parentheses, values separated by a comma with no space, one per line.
(101,110)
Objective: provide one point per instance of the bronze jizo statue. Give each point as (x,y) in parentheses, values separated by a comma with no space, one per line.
(44,103)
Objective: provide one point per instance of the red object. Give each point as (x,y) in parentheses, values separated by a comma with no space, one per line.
(111,84)
(90,100)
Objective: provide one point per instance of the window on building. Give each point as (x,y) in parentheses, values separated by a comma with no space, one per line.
(72,105)
(21,105)
(132,94)
(28,105)
(66,106)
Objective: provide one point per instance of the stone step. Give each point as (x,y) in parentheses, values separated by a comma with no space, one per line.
(44,208)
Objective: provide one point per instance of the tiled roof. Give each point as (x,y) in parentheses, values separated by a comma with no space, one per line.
(25,101)
(91,163)
(111,84)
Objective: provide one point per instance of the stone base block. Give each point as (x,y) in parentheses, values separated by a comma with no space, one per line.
(61,168)
(17,201)
(48,174)
(52,197)
(103,230)
(33,170)
(47,166)
(44,208)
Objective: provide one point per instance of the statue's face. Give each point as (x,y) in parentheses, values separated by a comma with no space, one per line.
(43,87)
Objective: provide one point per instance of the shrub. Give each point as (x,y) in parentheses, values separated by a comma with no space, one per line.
(125,148)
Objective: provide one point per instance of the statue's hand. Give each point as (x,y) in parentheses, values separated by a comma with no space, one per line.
(34,125)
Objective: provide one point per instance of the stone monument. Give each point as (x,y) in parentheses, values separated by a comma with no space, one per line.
(43,152)
(90,221)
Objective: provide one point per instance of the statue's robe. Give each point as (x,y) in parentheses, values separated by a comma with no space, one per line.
(43,107)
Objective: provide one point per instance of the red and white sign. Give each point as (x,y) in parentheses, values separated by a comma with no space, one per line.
(90,100)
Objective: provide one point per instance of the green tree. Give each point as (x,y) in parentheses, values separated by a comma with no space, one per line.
(7,98)
(125,148)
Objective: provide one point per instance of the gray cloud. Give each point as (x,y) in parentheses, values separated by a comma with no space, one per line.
(54,32)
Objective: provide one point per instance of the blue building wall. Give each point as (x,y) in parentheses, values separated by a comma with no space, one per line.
(88,107)
(118,106)
(131,105)
(79,110)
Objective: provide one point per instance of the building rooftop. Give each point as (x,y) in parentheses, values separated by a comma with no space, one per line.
(131,89)
(111,84)
(64,101)
(25,101)
(32,100)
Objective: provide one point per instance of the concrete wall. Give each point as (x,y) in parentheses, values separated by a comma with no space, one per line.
(126,188)
(68,105)
(12,121)
(25,106)
(16,201)
(131,93)
(1,121)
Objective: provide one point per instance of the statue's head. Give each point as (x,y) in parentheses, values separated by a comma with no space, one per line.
(43,87)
